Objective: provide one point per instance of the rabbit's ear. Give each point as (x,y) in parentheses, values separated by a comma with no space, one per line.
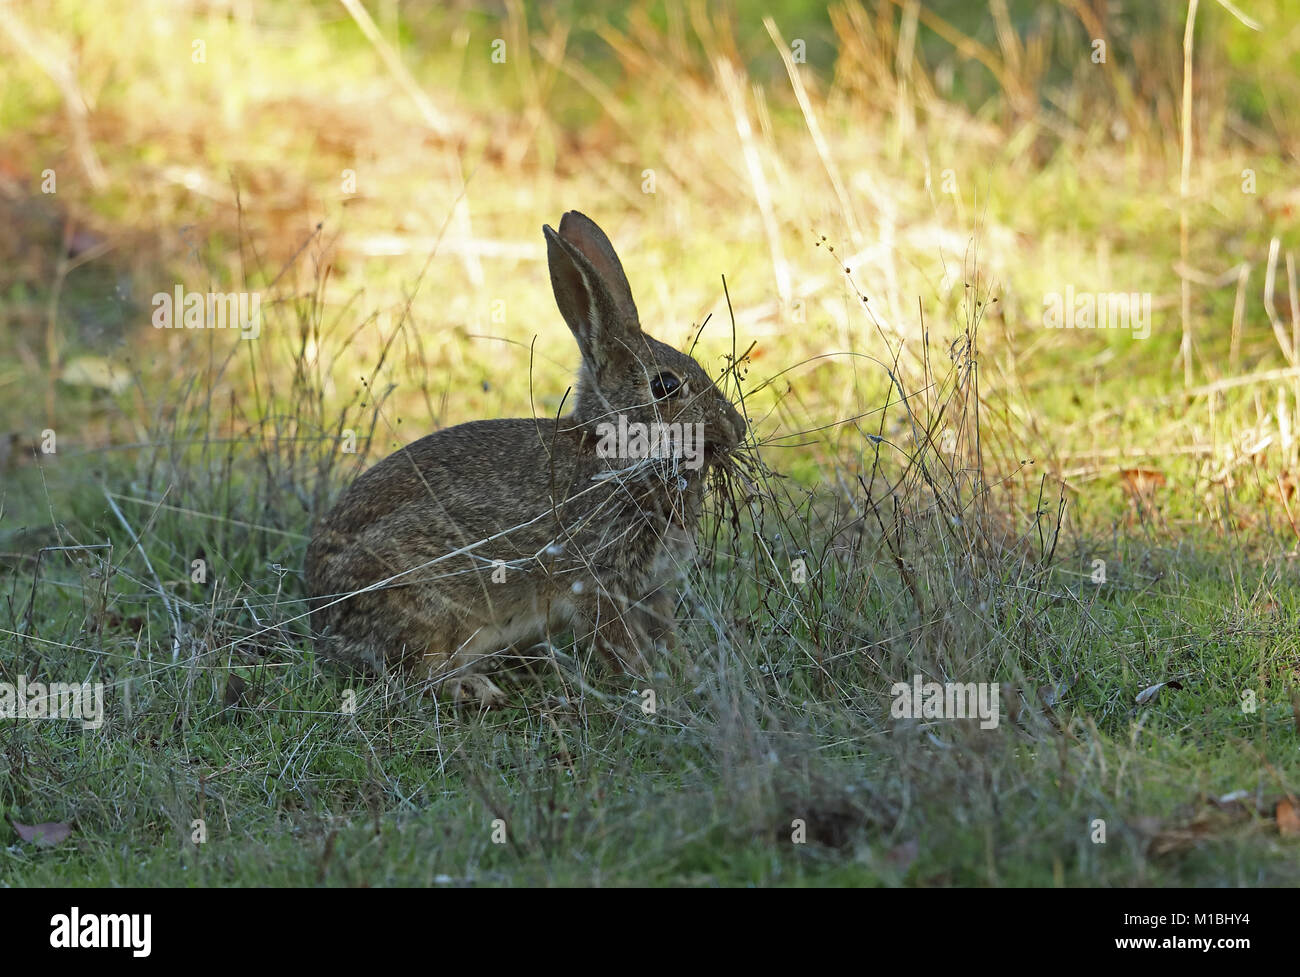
(591,289)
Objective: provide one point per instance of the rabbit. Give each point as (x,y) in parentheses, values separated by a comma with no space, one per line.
(495,534)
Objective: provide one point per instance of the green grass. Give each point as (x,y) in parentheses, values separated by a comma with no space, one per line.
(777,710)
(704,791)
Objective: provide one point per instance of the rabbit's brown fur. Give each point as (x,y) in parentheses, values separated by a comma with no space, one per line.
(492,534)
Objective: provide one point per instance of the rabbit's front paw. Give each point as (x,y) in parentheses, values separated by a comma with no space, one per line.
(475,689)
(654,618)
(621,649)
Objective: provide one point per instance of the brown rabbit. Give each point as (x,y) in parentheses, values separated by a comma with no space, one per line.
(495,533)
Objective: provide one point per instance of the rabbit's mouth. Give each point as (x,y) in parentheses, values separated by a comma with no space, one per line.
(717,452)
(732,428)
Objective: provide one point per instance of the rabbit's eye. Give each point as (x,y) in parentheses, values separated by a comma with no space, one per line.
(664,385)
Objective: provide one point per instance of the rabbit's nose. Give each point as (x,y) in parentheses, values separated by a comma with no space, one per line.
(738,425)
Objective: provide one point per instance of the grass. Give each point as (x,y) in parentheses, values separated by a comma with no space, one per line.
(948,472)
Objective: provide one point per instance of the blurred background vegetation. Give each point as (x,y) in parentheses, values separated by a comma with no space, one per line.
(394,166)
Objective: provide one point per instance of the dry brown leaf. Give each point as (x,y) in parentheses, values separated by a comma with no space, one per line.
(235,688)
(1288,821)
(1050,696)
(1209,818)
(45,835)
(1184,837)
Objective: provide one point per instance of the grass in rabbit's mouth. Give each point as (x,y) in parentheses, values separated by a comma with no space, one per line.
(933,486)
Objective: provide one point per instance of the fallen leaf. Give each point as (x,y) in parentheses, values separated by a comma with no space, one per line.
(1209,822)
(45,835)
(1288,821)
(235,687)
(1149,693)
(1050,696)
(1210,818)
(1182,838)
